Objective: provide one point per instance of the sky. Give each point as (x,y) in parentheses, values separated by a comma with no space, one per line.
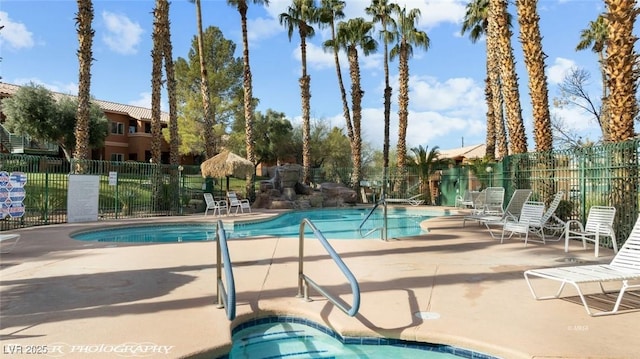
(447,107)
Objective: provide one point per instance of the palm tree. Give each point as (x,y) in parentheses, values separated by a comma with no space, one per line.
(84,19)
(299,16)
(380,10)
(534,60)
(247,86)
(167,55)
(330,11)
(476,23)
(622,81)
(595,37)
(352,35)
(210,144)
(427,163)
(156,84)
(621,68)
(407,36)
(499,27)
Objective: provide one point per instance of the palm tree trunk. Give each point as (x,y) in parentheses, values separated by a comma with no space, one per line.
(508,77)
(356,100)
(248,103)
(209,122)
(167,52)
(305,90)
(403,117)
(85,38)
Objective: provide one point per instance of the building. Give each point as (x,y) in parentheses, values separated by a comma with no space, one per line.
(129,137)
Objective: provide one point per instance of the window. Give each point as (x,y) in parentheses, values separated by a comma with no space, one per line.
(117,157)
(117,128)
(133,126)
(147,127)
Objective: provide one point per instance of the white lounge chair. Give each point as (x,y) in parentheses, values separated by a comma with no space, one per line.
(599,223)
(488,203)
(216,206)
(511,212)
(239,204)
(413,200)
(530,220)
(624,267)
(8,241)
(547,222)
(467,199)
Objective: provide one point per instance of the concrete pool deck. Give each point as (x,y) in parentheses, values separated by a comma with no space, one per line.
(104,300)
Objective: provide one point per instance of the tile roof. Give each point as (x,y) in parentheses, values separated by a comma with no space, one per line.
(467,152)
(139,113)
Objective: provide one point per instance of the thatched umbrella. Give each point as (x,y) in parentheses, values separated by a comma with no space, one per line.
(227,164)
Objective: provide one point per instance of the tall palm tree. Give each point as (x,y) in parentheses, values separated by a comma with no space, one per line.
(476,22)
(330,11)
(621,68)
(300,15)
(499,27)
(243,7)
(156,84)
(209,122)
(381,10)
(84,19)
(407,36)
(595,38)
(352,35)
(167,55)
(534,60)
(622,80)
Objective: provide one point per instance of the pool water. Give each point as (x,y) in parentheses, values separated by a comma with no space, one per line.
(298,338)
(333,223)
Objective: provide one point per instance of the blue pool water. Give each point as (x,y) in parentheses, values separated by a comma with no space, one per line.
(291,337)
(333,223)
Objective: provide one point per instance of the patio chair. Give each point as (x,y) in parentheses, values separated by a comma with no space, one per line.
(488,203)
(216,206)
(511,212)
(530,221)
(599,223)
(238,204)
(547,222)
(467,199)
(624,267)
(9,241)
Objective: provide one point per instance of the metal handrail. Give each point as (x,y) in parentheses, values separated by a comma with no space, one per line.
(382,229)
(304,281)
(226,300)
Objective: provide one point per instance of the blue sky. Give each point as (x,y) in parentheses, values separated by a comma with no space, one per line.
(447,107)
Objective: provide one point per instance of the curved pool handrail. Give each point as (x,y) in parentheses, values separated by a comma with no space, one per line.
(366,218)
(226,299)
(304,281)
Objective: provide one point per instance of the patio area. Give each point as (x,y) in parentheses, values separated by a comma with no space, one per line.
(84,299)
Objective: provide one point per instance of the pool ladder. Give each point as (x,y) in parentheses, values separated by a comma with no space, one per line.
(304,281)
(226,297)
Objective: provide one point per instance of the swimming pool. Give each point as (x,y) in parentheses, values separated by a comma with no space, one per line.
(293,337)
(340,223)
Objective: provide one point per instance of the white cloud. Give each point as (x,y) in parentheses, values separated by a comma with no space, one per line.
(69,88)
(14,34)
(557,71)
(122,35)
(262,28)
(145,101)
(317,58)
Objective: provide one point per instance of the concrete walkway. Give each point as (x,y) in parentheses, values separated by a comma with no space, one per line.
(107,300)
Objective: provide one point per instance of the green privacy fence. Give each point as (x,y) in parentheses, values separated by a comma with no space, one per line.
(598,175)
